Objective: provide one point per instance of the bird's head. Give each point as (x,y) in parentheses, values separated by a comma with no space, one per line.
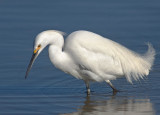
(41,41)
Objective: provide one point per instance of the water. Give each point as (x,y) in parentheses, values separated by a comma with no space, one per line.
(48,91)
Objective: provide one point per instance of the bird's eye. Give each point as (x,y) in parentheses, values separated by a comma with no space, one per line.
(39,45)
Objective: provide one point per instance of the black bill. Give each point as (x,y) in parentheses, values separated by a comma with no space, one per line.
(30,64)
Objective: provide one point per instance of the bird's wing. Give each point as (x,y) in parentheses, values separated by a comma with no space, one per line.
(95,53)
(106,57)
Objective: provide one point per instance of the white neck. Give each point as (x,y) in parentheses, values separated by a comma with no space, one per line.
(56,40)
(56,55)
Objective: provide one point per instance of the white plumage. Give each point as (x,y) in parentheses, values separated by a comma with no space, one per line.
(91,57)
(106,58)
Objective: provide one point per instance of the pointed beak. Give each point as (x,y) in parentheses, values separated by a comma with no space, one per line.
(34,55)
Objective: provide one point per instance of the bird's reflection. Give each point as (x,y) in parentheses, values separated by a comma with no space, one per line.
(115,106)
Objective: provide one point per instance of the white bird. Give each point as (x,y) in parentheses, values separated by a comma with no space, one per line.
(91,57)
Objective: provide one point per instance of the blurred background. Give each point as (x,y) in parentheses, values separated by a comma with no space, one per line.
(50,91)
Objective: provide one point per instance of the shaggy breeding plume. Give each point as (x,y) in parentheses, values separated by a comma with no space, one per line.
(91,57)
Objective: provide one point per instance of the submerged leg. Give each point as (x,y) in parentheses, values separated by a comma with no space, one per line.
(110,84)
(88,88)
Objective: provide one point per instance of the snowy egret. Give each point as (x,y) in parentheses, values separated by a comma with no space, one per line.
(91,57)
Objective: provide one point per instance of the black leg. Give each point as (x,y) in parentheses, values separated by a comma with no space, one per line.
(114,89)
(87,87)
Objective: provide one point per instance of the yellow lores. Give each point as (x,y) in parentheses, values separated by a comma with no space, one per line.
(35,51)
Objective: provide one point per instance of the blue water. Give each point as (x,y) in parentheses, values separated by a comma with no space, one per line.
(48,91)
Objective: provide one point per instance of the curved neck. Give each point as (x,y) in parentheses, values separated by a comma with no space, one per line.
(56,44)
(57,41)
(56,55)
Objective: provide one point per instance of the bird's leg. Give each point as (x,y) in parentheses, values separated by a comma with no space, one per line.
(110,84)
(88,88)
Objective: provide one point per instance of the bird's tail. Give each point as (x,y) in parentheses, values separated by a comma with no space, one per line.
(140,65)
(150,54)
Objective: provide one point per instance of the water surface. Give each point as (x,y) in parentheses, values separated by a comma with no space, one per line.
(48,90)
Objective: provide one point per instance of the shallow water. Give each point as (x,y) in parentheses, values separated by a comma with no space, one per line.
(50,91)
